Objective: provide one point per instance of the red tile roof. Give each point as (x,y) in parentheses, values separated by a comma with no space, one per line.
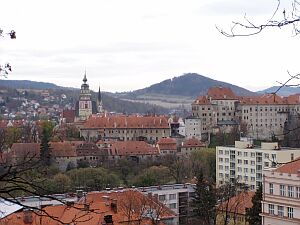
(123,148)
(99,205)
(222,93)
(219,93)
(167,144)
(25,150)
(193,142)
(202,100)
(292,167)
(238,204)
(127,122)
(62,149)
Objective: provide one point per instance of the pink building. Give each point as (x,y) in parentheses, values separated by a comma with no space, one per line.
(281,195)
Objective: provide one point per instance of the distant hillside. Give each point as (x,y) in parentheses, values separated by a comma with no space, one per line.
(284,91)
(188,85)
(110,103)
(27,84)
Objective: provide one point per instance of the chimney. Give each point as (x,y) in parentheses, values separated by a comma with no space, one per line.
(86,207)
(114,205)
(27,217)
(108,219)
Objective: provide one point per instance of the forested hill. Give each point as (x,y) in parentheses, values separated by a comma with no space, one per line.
(27,84)
(9,89)
(190,85)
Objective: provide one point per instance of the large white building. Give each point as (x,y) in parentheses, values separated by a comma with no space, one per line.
(281,195)
(245,163)
(261,117)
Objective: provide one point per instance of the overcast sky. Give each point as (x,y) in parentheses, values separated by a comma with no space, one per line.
(127,45)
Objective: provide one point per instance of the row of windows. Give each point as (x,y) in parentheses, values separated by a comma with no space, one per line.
(132,131)
(282,109)
(281,211)
(266,119)
(246,154)
(164,197)
(289,191)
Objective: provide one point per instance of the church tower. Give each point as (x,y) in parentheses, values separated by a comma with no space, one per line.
(99,102)
(85,106)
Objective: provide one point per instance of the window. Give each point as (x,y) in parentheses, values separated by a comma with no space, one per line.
(220,152)
(282,190)
(246,162)
(245,154)
(220,159)
(252,171)
(239,169)
(239,161)
(162,197)
(172,206)
(298,192)
(226,152)
(252,154)
(227,160)
(239,153)
(252,163)
(291,191)
(280,211)
(172,197)
(220,167)
(271,188)
(290,211)
(226,168)
(245,170)
(252,179)
(271,209)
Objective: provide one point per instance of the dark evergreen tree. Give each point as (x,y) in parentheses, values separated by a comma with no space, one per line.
(204,201)
(45,153)
(252,214)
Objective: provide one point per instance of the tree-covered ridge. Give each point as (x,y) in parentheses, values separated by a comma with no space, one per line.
(190,84)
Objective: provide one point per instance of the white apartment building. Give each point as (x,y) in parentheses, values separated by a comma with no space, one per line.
(246,163)
(281,195)
(193,127)
(177,197)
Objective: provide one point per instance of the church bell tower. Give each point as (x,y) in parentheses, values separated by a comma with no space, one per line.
(85,100)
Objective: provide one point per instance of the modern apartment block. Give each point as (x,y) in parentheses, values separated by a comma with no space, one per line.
(177,197)
(245,162)
(262,117)
(281,195)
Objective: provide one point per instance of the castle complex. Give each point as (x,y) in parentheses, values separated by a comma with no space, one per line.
(261,117)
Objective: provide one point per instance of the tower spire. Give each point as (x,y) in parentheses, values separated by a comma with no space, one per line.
(99,101)
(84,78)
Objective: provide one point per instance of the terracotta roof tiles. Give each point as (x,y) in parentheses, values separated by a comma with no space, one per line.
(219,93)
(127,122)
(193,142)
(99,205)
(238,204)
(123,148)
(292,167)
